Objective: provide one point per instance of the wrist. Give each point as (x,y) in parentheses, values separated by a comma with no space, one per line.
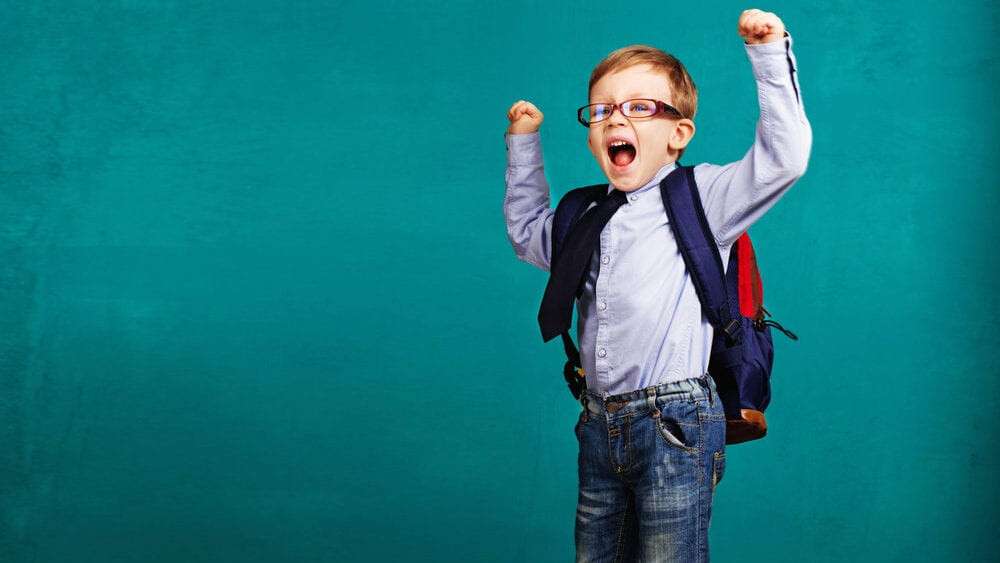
(776,37)
(521,130)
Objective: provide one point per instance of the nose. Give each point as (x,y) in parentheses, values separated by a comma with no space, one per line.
(617,116)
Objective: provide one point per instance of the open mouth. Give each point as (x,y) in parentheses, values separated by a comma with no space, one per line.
(622,153)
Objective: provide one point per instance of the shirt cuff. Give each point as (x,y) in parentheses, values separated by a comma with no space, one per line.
(524,148)
(770,60)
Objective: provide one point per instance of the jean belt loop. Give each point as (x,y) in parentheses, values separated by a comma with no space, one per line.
(708,386)
(651,401)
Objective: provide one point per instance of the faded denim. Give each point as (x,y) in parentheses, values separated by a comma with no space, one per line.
(649,463)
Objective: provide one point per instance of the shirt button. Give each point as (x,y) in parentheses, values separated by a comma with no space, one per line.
(602,352)
(605,259)
(604,305)
(633,197)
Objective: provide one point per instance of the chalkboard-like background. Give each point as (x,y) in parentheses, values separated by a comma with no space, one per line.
(258,303)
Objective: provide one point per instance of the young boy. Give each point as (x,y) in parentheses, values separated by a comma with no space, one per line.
(652,428)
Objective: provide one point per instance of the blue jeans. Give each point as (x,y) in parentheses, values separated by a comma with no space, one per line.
(648,466)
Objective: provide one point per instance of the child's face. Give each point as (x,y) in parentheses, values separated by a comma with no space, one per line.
(656,139)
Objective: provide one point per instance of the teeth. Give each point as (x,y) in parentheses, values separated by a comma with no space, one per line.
(619,143)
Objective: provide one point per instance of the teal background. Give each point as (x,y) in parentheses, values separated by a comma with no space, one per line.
(258,303)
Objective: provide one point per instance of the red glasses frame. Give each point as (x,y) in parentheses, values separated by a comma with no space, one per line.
(661,107)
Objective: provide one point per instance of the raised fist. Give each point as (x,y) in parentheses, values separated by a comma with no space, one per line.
(524,118)
(756,26)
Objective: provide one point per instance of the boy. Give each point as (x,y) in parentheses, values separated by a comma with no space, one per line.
(652,428)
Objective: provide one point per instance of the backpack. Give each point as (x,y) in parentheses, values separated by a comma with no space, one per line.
(742,351)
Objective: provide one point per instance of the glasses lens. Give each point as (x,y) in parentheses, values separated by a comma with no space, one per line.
(639,108)
(595,112)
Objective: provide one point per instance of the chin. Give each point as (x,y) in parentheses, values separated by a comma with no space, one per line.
(626,180)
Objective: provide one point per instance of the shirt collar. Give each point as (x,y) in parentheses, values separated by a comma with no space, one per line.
(657,178)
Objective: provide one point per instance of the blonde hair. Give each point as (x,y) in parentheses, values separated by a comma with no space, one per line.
(683,92)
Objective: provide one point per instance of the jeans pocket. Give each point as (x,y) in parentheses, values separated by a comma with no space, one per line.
(679,426)
(580,421)
(718,468)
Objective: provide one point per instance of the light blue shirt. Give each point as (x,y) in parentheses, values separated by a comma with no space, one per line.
(640,322)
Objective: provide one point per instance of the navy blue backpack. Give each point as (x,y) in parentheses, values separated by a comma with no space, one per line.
(742,350)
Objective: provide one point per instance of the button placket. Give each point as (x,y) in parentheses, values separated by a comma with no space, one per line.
(600,290)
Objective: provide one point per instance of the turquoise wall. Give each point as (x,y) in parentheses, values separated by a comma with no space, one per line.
(258,303)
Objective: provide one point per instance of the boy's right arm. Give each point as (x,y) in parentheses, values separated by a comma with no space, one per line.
(526,202)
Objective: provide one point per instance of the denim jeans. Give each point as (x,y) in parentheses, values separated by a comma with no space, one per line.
(648,466)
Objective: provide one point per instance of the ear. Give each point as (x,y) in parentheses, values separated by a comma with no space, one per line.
(681,135)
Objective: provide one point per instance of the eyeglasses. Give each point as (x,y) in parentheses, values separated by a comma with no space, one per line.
(592,113)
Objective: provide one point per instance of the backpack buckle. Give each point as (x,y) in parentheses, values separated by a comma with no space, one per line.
(733,332)
(575,379)
(731,328)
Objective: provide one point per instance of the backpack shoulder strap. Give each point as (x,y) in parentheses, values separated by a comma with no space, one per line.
(571,206)
(569,210)
(697,245)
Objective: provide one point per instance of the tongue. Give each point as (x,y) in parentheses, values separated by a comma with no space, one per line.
(624,157)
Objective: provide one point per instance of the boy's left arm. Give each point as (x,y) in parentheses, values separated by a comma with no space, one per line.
(739,193)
